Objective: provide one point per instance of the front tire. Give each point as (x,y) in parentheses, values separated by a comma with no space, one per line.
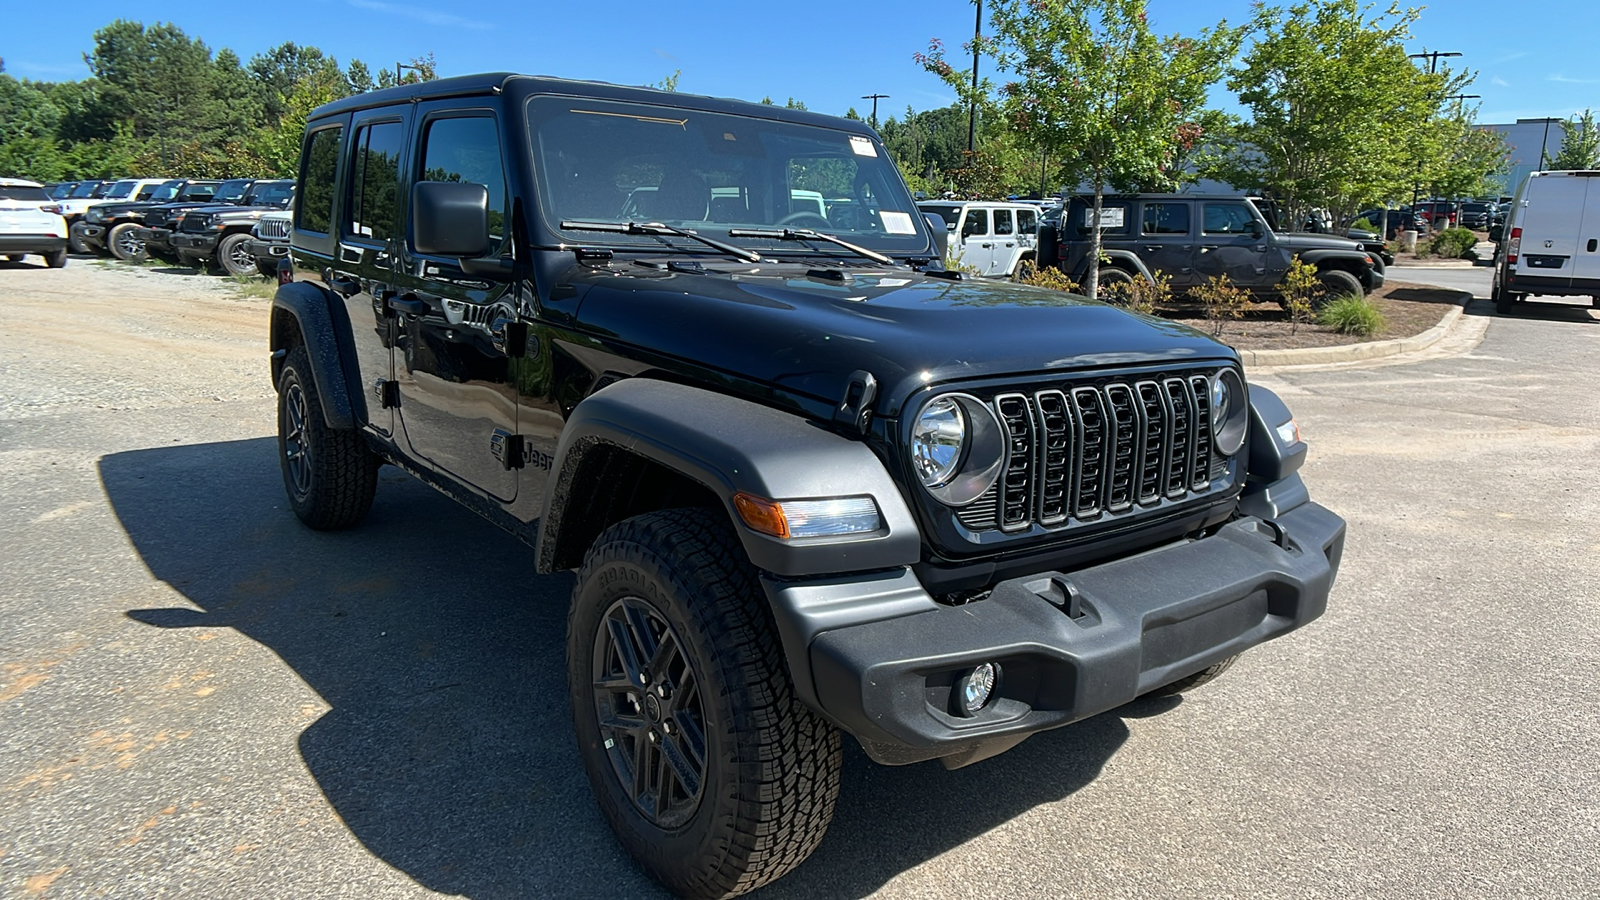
(123,245)
(330,474)
(1338,283)
(1190,682)
(233,257)
(712,773)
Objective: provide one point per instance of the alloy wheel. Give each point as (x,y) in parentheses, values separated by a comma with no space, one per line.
(296,450)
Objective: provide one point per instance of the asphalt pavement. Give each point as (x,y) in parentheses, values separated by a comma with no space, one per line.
(201,698)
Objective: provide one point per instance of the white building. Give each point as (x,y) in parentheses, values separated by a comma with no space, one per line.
(1526,140)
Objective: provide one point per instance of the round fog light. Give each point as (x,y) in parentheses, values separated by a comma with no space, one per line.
(974,689)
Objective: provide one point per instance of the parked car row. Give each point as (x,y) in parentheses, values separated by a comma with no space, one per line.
(204,224)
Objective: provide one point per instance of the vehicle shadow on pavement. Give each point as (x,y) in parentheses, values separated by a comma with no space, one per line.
(448,750)
(1552,309)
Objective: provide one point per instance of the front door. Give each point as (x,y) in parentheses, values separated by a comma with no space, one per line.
(458,403)
(977,245)
(1230,245)
(363,263)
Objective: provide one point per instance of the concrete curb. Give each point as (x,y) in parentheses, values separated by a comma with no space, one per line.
(1316,356)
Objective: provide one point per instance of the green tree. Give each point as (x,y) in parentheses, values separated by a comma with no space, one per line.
(277,71)
(359,77)
(1338,116)
(1096,89)
(1580,144)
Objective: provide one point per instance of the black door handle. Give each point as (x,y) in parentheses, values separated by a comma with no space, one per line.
(344,287)
(1592,242)
(408,305)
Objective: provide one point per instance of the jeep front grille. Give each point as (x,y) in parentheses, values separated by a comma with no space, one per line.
(273,229)
(1080,453)
(194,223)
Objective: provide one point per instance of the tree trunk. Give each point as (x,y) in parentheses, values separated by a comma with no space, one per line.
(1091,283)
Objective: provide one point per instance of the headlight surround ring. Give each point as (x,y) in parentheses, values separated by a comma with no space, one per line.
(1230,411)
(956,467)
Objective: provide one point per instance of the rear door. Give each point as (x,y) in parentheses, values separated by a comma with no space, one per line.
(1166,239)
(1586,259)
(1551,223)
(1005,242)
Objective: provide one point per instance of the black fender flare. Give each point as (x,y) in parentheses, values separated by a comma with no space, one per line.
(729,445)
(1120,259)
(309,306)
(1357,259)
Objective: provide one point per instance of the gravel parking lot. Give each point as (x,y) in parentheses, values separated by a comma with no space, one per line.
(201,698)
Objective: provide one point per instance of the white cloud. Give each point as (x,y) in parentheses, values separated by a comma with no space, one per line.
(423,15)
(1497,81)
(1558,77)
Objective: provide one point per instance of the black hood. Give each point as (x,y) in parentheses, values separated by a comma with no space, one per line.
(806,333)
(1306,241)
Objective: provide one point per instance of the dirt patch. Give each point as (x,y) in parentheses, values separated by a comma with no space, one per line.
(1408,309)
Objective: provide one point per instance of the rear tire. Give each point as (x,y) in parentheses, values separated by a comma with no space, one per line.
(1338,283)
(712,773)
(56,260)
(330,474)
(123,245)
(1112,275)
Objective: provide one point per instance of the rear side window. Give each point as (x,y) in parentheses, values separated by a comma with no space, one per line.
(977,222)
(1027,221)
(468,150)
(317,172)
(1166,218)
(1003,223)
(146,192)
(375,182)
(24,192)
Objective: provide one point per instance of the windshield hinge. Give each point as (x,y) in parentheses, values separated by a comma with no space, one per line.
(855,410)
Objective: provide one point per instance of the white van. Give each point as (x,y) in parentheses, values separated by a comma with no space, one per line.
(991,237)
(1551,239)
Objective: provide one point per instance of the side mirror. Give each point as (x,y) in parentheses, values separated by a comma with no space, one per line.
(450,218)
(1256,229)
(1496,232)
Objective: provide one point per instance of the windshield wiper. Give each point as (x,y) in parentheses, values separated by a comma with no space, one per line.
(806,234)
(658,228)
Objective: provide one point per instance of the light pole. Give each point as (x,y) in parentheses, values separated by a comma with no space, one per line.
(874,98)
(972,105)
(399,66)
(1433,68)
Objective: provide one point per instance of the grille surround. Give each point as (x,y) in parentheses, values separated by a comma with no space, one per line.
(272,228)
(1100,449)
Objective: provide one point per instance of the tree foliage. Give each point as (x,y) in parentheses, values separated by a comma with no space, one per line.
(1580,144)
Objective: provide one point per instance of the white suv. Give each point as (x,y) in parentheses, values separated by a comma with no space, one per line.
(30,222)
(989,236)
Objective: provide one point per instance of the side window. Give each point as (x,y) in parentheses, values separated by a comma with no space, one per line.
(1027,221)
(977,223)
(374,182)
(1166,218)
(1002,222)
(317,172)
(1227,218)
(146,191)
(468,150)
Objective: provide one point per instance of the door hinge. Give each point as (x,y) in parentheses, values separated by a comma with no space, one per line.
(508,448)
(387,393)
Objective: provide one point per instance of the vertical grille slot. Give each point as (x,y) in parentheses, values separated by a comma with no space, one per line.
(1124,435)
(1055,452)
(1092,439)
(1202,432)
(1016,483)
(1180,438)
(1152,465)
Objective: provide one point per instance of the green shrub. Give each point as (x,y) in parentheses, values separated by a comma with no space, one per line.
(1301,288)
(1139,295)
(1352,315)
(1365,224)
(1453,243)
(1048,277)
(1223,300)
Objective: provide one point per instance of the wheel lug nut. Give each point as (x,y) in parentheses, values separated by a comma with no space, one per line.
(651,736)
(666,727)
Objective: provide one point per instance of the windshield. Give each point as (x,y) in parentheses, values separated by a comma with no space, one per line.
(85,189)
(601,161)
(63,190)
(166,190)
(271,193)
(230,191)
(120,190)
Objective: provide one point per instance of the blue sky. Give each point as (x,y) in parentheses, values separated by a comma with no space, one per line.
(1532,61)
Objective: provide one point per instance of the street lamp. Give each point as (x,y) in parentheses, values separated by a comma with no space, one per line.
(972,106)
(874,98)
(399,66)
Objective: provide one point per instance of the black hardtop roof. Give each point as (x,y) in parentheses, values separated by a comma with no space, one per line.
(1197,195)
(518,86)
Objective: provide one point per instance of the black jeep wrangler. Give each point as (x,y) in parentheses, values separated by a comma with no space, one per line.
(1195,237)
(113,228)
(214,237)
(811,483)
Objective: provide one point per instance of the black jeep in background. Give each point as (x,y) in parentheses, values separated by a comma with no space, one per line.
(811,482)
(213,237)
(155,231)
(1195,237)
(112,228)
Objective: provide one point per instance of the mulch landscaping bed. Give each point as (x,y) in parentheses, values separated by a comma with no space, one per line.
(1409,309)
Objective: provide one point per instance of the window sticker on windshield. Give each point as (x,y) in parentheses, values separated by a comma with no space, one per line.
(897,222)
(862,146)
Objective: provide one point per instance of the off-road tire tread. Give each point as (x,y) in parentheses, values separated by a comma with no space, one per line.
(56,260)
(224,255)
(111,242)
(1338,283)
(344,477)
(789,756)
(1190,682)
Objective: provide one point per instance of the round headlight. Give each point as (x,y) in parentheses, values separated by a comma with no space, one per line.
(937,441)
(958,448)
(1230,411)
